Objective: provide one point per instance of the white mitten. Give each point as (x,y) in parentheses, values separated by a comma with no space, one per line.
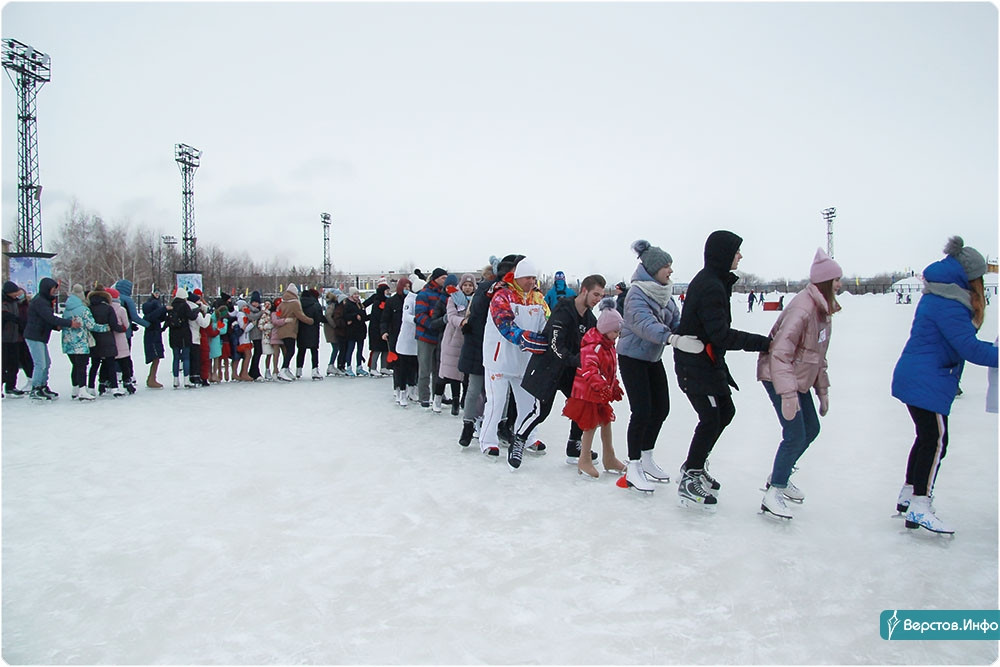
(689,344)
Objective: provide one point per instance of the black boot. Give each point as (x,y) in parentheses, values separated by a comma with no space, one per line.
(467,430)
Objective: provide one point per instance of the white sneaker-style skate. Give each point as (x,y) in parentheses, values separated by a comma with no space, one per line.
(331,369)
(920,514)
(316,374)
(774,503)
(654,472)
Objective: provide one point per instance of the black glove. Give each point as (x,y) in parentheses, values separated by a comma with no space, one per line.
(135,327)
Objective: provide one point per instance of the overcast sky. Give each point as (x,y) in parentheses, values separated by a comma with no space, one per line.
(443,133)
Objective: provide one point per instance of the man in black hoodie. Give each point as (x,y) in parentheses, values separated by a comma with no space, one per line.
(705,377)
(41,322)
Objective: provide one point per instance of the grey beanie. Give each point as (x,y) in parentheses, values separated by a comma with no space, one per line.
(652,258)
(971,260)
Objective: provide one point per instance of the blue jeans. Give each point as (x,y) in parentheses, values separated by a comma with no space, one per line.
(40,357)
(796,435)
(182,358)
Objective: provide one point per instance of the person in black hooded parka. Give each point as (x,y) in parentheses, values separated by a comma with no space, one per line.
(705,377)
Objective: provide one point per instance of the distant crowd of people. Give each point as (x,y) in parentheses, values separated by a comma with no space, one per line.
(502,351)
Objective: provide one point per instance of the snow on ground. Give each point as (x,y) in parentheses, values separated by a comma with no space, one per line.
(320,523)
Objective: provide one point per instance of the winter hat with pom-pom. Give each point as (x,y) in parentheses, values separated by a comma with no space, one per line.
(971,260)
(115,294)
(77,291)
(610,319)
(416,283)
(824,268)
(181,293)
(652,258)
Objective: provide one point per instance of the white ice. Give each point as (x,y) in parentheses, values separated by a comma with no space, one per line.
(318,522)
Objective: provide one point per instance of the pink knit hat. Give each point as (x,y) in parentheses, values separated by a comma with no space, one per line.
(824,268)
(610,319)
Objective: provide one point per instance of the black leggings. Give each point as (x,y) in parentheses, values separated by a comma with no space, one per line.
(16,355)
(714,414)
(301,357)
(106,367)
(928,449)
(646,386)
(258,348)
(404,371)
(289,345)
(78,375)
(125,368)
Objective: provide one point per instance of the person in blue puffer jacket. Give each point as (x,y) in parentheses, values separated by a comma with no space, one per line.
(558,290)
(926,377)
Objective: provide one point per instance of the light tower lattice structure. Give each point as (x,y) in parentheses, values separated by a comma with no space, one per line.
(325,219)
(188,160)
(829,214)
(28,70)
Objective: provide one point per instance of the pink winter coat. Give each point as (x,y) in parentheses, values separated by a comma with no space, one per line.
(451,342)
(797,358)
(276,323)
(121,340)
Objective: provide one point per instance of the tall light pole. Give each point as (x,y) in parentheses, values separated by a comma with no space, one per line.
(165,239)
(188,160)
(325,220)
(28,70)
(829,214)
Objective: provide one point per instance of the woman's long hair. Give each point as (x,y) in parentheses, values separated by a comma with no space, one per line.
(978,302)
(826,289)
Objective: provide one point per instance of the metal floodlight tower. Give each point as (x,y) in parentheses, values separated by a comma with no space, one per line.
(325,219)
(829,214)
(28,70)
(188,159)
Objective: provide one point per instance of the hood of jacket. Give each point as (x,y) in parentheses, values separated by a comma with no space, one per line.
(99,296)
(947,271)
(720,249)
(46,286)
(73,304)
(124,287)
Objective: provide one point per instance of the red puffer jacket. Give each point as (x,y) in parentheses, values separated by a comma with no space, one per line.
(597,377)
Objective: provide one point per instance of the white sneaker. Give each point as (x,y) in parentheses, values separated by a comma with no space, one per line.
(921,515)
(774,503)
(436,406)
(636,478)
(654,472)
(316,374)
(904,499)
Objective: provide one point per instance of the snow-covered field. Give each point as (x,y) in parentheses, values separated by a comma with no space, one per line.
(318,522)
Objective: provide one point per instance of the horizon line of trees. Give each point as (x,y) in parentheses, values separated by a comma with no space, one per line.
(89,249)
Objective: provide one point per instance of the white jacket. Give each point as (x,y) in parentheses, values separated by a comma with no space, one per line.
(203,320)
(502,356)
(406,343)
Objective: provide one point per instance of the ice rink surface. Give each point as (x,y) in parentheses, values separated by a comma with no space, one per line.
(318,522)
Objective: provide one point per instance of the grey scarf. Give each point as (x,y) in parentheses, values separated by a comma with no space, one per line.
(949,291)
(659,293)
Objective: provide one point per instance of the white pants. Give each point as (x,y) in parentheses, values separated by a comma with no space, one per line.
(497,385)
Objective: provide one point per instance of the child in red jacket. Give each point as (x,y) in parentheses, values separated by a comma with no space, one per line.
(595,387)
